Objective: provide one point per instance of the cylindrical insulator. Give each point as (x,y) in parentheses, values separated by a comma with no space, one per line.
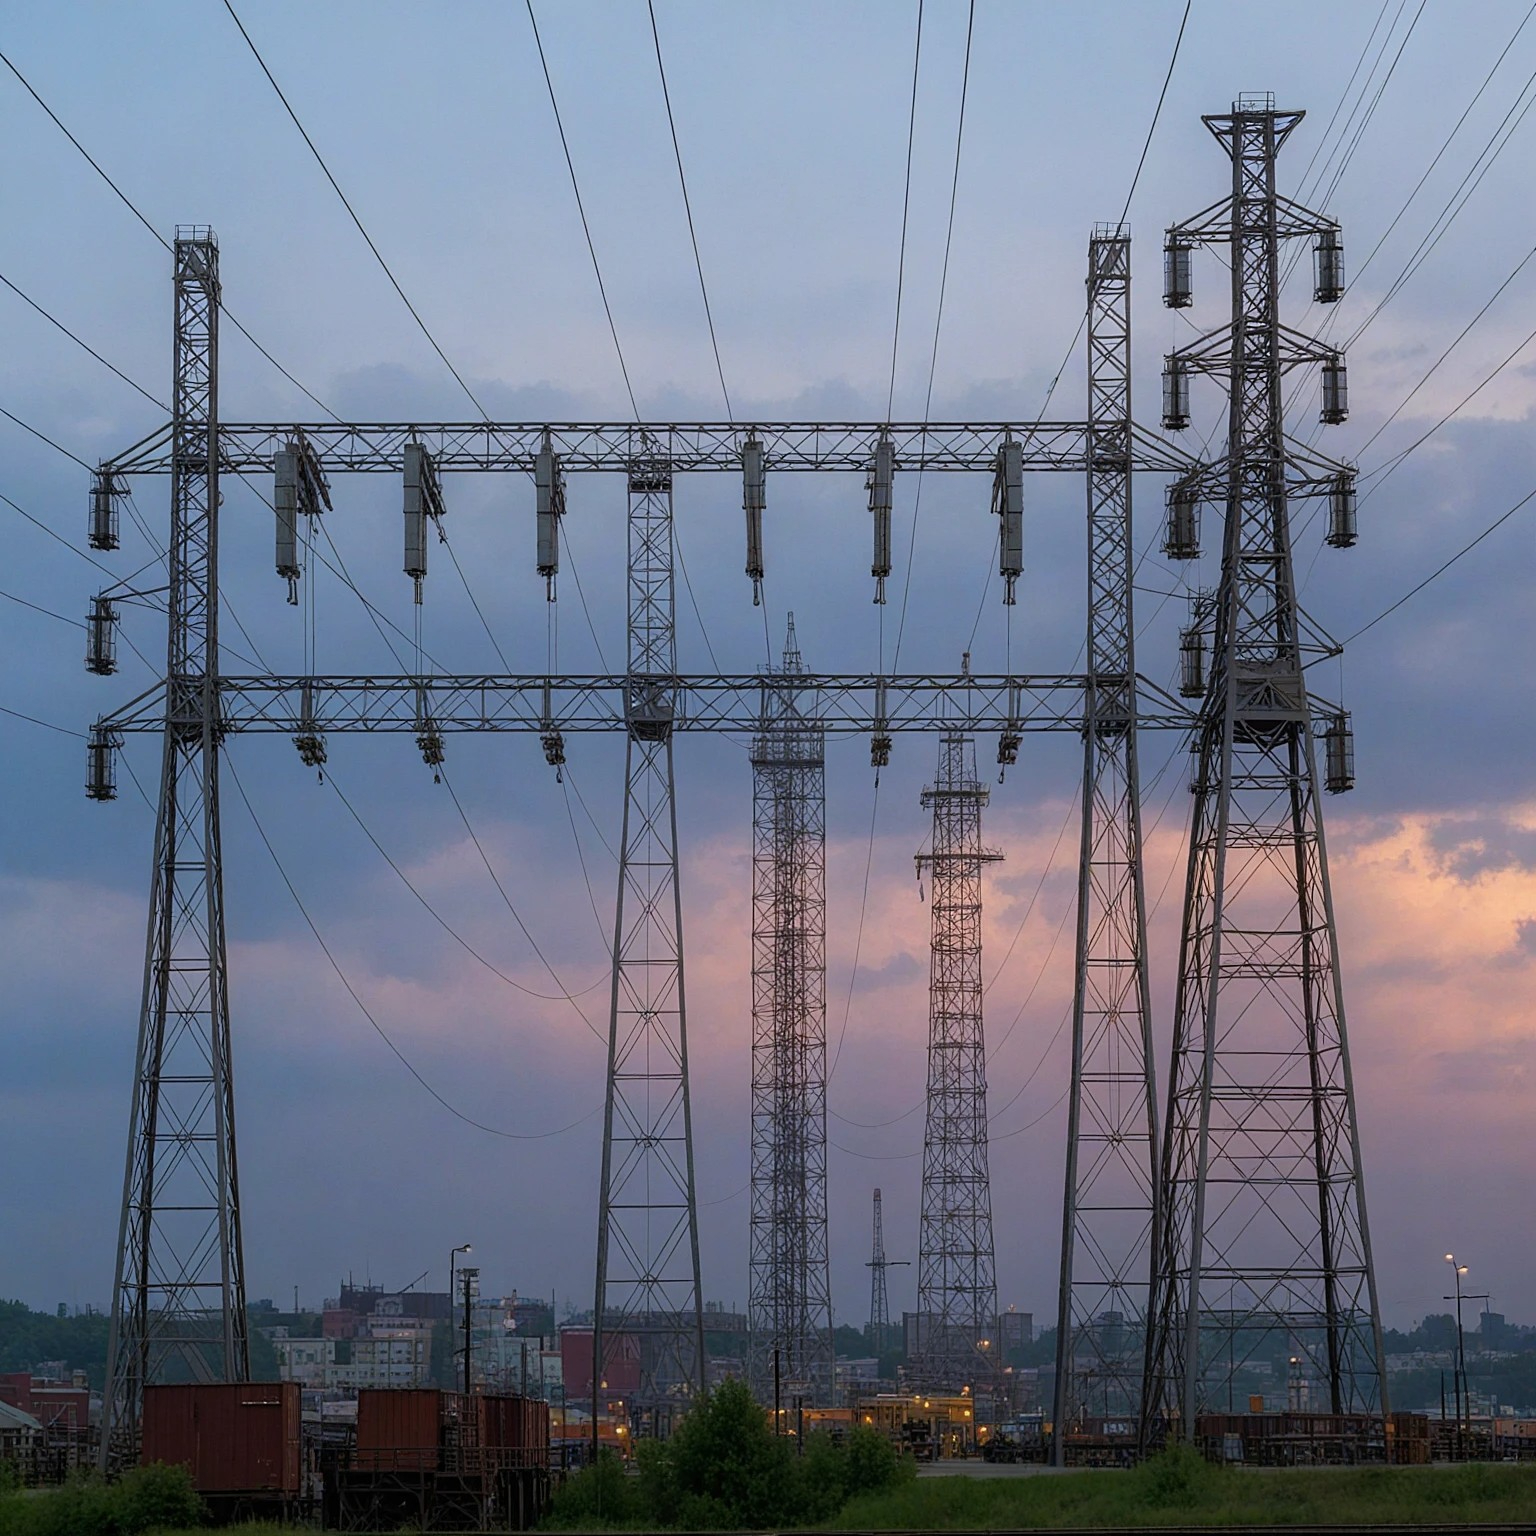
(417,504)
(103,510)
(1175,395)
(285,505)
(101,637)
(1338,755)
(1177,292)
(1008,502)
(101,765)
(549,503)
(1335,392)
(754,499)
(1192,662)
(1328,267)
(1182,536)
(881,477)
(1341,511)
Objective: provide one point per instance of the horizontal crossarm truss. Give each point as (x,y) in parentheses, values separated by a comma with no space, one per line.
(846,703)
(491,447)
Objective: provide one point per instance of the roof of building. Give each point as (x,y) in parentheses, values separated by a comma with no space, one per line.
(14,1418)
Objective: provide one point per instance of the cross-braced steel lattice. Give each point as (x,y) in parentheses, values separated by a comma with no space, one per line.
(178,1306)
(1109,1210)
(790,1302)
(1264,1246)
(956,1276)
(648,1230)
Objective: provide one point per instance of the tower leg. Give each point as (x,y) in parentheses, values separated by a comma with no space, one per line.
(178,1304)
(648,1297)
(1109,1213)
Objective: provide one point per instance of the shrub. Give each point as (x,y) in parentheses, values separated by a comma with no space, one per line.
(598,1495)
(1176,1478)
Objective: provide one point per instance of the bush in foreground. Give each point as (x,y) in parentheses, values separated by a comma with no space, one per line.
(145,1499)
(725,1470)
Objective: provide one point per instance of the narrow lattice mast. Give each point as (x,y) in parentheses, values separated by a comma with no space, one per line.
(178,1306)
(1264,1251)
(1109,1211)
(956,1277)
(648,1291)
(790,1308)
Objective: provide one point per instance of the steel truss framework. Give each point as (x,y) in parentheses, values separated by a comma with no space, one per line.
(790,1301)
(648,1225)
(178,1303)
(178,1293)
(1263,1230)
(956,1275)
(1109,1212)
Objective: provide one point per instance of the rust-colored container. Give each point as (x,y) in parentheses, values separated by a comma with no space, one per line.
(399,1429)
(233,1437)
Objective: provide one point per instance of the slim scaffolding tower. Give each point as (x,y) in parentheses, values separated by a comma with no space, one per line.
(790,1305)
(956,1277)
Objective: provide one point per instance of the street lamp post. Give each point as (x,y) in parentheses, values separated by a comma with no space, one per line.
(453,1259)
(1458,1270)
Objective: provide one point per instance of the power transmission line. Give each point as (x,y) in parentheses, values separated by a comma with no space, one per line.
(906,203)
(570,166)
(661,69)
(336,187)
(363,1008)
(130,206)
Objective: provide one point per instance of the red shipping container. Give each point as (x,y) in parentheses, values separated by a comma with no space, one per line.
(399,1429)
(233,1437)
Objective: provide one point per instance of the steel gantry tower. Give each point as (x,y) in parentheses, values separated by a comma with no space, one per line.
(178,1303)
(956,1277)
(1109,1212)
(790,1304)
(648,1222)
(1264,1245)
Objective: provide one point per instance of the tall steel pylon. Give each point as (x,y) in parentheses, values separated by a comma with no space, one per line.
(648,1227)
(956,1274)
(1109,1213)
(1264,1244)
(178,1302)
(790,1304)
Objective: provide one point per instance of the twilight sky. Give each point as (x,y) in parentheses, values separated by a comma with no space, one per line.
(792,122)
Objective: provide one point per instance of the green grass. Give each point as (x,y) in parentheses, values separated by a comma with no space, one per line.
(1181,1490)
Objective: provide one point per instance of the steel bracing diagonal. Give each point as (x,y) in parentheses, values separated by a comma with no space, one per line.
(1264,1243)
(956,1274)
(648,1291)
(790,1299)
(178,1304)
(1109,1210)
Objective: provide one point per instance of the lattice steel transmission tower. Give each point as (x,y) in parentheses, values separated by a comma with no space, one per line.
(1109,1213)
(879,1297)
(1264,1244)
(956,1275)
(790,1304)
(178,1303)
(648,1228)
